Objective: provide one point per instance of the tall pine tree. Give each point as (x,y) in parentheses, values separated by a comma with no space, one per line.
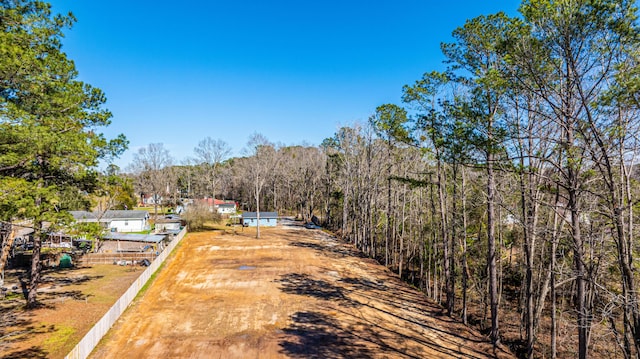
(49,122)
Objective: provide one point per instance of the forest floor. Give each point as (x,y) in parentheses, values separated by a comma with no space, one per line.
(294,293)
(72,301)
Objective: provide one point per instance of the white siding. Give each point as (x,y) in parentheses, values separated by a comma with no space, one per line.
(128,225)
(170,226)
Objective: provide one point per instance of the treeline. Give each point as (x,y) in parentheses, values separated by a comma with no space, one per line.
(513,171)
(510,177)
(289,179)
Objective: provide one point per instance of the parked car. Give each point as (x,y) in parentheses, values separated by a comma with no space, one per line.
(311,225)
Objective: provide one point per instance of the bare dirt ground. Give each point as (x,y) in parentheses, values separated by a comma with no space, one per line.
(73,300)
(294,293)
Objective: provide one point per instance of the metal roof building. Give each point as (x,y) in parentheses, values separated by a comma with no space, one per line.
(267,219)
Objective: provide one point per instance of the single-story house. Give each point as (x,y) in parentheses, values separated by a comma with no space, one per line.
(168,224)
(227,208)
(127,242)
(221,206)
(116,220)
(148,199)
(267,219)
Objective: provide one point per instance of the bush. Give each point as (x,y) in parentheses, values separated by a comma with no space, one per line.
(197,215)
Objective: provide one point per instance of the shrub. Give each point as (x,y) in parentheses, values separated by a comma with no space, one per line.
(197,215)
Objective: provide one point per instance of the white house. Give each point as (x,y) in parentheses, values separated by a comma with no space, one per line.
(227,208)
(170,223)
(116,221)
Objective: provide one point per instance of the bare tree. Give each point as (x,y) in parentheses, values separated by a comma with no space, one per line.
(148,165)
(263,158)
(210,153)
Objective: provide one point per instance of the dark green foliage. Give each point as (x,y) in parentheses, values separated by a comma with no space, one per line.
(49,121)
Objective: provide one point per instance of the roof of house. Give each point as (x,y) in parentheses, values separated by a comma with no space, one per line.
(227,205)
(215,201)
(262,215)
(126,214)
(169,220)
(24,232)
(131,237)
(108,216)
(85,216)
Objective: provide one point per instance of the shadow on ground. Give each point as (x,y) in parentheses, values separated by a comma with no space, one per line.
(318,335)
(32,353)
(357,317)
(332,249)
(18,325)
(303,284)
(17,317)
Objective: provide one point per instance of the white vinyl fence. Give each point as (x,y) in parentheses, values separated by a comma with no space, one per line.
(91,339)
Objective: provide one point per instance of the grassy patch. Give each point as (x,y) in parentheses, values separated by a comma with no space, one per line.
(161,211)
(215,226)
(74,300)
(58,338)
(102,291)
(13,295)
(149,282)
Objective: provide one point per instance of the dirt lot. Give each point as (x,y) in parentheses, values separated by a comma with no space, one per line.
(294,293)
(73,300)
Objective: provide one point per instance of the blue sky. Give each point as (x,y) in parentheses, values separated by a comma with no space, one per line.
(294,71)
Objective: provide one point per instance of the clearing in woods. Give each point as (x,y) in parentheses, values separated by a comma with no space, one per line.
(294,293)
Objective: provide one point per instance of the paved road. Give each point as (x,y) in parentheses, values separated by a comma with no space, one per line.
(295,293)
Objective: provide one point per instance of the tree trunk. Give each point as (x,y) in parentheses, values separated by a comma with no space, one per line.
(36,266)
(578,248)
(628,239)
(491,249)
(9,234)
(554,319)
(455,232)
(257,211)
(528,255)
(449,290)
(388,223)
(465,267)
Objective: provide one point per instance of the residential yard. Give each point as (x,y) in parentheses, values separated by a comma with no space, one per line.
(73,300)
(294,293)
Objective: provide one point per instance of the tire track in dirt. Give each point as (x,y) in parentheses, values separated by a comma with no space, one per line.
(295,293)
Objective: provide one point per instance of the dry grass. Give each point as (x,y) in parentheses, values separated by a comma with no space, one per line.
(72,301)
